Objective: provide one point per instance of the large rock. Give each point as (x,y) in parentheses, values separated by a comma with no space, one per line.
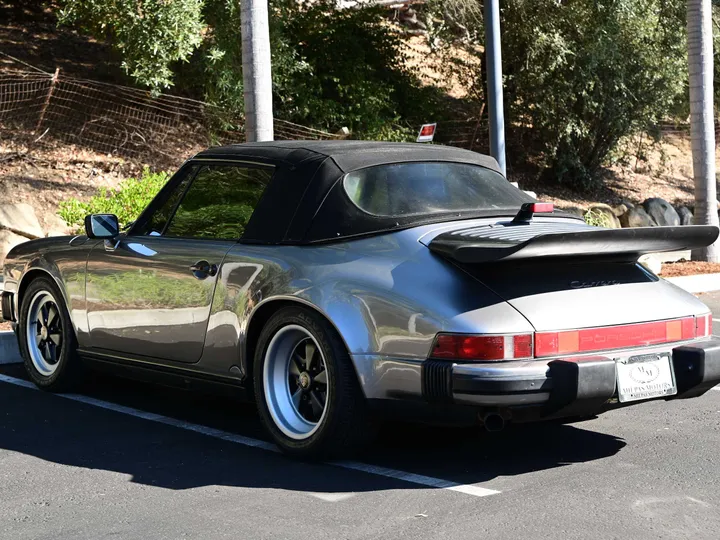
(637,217)
(662,212)
(602,215)
(20,219)
(686,217)
(8,240)
(56,226)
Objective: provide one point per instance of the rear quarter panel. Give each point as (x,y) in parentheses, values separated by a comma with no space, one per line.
(386,295)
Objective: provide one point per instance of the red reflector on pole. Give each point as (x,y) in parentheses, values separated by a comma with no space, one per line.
(541,207)
(427,132)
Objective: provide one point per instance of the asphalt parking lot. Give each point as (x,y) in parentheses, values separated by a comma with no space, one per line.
(132,461)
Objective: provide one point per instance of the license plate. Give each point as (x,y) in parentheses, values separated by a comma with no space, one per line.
(645,377)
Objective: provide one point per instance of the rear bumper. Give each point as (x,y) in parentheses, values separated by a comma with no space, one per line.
(564,386)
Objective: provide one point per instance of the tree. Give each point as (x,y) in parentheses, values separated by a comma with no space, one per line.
(702,120)
(257,71)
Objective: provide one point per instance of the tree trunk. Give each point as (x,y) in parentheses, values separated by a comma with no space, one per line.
(257,70)
(702,120)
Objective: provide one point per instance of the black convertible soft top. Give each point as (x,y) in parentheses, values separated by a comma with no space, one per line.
(305,201)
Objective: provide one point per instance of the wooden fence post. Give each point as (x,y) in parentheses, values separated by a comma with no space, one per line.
(53,82)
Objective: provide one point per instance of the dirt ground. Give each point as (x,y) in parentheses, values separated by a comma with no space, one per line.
(688,268)
(44,174)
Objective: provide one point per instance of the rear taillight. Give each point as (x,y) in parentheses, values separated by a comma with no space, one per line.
(703,325)
(483,347)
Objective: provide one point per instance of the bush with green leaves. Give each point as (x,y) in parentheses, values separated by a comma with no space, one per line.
(127,201)
(586,73)
(150,34)
(332,67)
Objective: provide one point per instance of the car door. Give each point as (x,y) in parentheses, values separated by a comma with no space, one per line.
(150,293)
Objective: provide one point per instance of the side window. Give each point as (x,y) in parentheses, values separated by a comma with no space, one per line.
(219,202)
(155,223)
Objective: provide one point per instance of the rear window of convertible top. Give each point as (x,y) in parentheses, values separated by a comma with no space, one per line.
(427,188)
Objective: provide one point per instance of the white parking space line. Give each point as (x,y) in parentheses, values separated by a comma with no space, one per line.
(412,478)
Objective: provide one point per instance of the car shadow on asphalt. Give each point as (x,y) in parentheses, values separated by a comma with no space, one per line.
(75,434)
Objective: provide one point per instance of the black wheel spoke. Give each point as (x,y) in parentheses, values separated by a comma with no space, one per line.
(55,338)
(45,313)
(52,316)
(52,352)
(296,365)
(317,405)
(310,351)
(321,378)
(296,398)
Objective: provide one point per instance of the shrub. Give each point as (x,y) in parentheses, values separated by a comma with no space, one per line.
(126,202)
(586,73)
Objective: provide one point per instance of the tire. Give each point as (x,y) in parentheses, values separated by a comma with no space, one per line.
(280,372)
(48,348)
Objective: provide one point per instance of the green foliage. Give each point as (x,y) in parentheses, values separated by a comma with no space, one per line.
(585,73)
(150,34)
(126,202)
(597,219)
(331,68)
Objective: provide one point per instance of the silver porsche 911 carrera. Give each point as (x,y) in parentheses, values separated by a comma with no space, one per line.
(336,282)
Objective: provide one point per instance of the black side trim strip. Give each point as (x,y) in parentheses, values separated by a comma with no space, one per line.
(133,363)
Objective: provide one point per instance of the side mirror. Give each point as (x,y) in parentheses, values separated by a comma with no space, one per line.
(104,226)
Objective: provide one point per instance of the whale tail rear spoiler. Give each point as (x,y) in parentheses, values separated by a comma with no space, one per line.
(514,242)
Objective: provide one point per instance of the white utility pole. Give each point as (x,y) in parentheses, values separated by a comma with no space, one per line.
(257,70)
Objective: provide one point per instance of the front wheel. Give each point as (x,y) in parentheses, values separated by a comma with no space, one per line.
(47,339)
(306,389)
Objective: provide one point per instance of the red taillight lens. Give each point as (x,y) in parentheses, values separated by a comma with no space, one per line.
(703,325)
(614,337)
(483,348)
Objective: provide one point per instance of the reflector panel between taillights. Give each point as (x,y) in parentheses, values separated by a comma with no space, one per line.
(483,348)
(614,337)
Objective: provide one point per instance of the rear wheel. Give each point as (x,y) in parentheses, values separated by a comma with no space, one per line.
(306,389)
(47,339)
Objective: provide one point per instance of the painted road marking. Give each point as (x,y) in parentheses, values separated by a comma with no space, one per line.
(412,478)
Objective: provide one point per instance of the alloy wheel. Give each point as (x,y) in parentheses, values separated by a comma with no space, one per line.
(295,382)
(44,333)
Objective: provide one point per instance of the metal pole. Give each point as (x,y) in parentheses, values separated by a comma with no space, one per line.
(494,82)
(257,71)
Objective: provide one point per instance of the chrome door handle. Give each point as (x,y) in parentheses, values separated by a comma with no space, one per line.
(203,269)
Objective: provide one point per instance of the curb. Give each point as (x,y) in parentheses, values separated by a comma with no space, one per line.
(9,353)
(699,283)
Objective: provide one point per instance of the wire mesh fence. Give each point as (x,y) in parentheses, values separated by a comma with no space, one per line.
(120,120)
(165,129)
